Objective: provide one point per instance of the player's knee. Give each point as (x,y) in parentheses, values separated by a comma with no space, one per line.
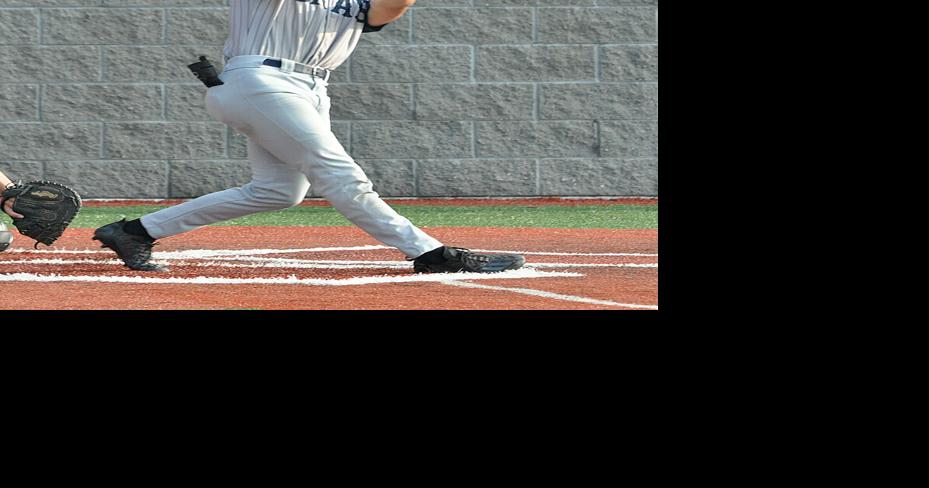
(277,198)
(282,201)
(294,200)
(345,193)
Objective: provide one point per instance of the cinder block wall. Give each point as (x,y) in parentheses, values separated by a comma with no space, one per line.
(458,98)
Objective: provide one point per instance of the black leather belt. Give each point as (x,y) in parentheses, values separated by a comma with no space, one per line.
(301,68)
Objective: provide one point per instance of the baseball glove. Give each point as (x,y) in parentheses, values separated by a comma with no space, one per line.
(47,209)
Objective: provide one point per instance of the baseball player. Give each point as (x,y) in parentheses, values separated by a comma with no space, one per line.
(279,55)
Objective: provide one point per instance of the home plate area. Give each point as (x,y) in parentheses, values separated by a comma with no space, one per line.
(550,279)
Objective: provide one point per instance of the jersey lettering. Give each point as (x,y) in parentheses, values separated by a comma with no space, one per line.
(363,7)
(316,32)
(345,5)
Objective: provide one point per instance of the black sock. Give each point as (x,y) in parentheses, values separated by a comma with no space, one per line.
(434,256)
(135,228)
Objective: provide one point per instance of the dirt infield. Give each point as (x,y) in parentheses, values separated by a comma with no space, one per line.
(337,268)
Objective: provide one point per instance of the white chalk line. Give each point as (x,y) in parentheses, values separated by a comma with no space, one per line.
(546,294)
(406,264)
(590,265)
(218,264)
(290,280)
(540,253)
(228,262)
(204,252)
(195,253)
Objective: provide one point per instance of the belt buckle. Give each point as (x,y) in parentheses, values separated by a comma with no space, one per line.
(319,72)
(314,71)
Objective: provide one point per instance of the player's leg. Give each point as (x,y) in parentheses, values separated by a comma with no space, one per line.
(285,119)
(346,199)
(274,186)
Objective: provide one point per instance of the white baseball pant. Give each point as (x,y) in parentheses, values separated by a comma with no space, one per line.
(290,147)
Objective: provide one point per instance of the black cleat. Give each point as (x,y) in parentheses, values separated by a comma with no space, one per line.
(134,250)
(458,259)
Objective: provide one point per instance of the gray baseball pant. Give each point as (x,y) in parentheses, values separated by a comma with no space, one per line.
(290,147)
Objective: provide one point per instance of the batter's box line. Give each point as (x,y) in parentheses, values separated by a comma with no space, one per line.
(290,280)
(203,253)
(556,253)
(258,262)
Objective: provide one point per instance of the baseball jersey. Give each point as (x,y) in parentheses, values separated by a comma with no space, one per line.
(319,33)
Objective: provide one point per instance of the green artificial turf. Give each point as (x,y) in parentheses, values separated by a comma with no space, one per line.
(551,216)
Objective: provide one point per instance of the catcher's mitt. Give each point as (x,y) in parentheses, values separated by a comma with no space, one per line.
(47,209)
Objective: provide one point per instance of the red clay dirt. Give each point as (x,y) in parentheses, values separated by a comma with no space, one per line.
(621,286)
